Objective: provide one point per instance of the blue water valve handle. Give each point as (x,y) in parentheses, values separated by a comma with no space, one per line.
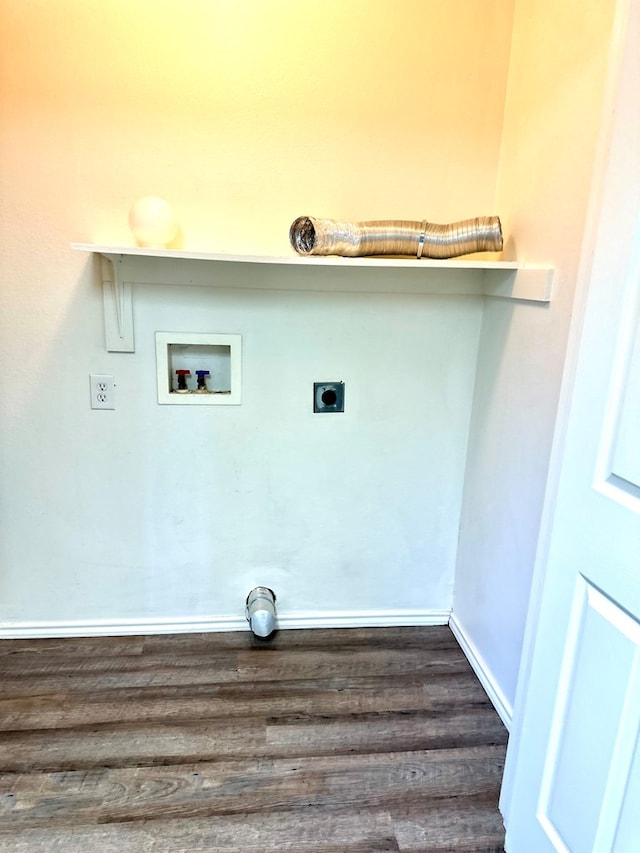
(202,380)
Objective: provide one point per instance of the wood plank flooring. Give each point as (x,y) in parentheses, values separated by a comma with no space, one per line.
(324,741)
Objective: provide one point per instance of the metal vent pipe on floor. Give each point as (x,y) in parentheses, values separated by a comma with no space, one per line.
(261,611)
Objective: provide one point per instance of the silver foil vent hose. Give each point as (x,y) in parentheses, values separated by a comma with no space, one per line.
(311,236)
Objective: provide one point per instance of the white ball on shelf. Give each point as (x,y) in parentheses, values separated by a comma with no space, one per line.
(153,222)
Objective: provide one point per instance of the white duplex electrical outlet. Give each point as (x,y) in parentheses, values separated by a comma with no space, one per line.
(103,394)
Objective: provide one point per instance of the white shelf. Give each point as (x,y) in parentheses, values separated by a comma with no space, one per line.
(124,266)
(331,260)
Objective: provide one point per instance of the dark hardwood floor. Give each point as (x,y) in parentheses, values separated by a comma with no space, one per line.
(358,741)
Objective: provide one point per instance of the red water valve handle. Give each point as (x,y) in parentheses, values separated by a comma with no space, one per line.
(182,379)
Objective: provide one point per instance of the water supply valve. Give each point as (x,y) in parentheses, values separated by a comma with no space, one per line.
(182,381)
(202,381)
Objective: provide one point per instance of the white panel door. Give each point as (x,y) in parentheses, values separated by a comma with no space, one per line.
(575,759)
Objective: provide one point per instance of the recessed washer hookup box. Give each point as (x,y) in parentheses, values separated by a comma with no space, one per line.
(199,368)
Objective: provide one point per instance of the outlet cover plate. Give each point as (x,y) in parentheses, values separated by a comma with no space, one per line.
(103,395)
(328,396)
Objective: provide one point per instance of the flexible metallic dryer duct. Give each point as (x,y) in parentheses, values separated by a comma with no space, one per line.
(311,236)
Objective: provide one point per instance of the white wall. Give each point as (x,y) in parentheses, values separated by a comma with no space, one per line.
(552,117)
(244,115)
(164,511)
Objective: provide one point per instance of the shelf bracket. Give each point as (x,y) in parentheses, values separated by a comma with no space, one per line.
(118,306)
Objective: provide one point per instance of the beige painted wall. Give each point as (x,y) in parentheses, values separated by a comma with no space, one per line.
(244,114)
(557,74)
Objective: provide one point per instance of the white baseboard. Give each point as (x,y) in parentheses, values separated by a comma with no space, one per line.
(207,624)
(485,676)
(365,619)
